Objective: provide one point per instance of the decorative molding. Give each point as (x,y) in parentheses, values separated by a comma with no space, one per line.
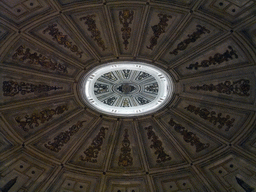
(37,59)
(64,137)
(61,39)
(125,18)
(43,117)
(158,29)
(92,27)
(125,158)
(217,58)
(212,117)
(12,88)
(157,145)
(189,137)
(191,39)
(91,153)
(240,87)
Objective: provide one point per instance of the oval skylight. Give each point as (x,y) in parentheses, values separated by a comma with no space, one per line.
(126,88)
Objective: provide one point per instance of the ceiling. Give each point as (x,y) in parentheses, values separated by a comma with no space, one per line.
(203,140)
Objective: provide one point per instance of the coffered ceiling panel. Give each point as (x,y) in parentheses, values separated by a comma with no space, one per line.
(75,181)
(232,172)
(25,170)
(178,180)
(19,11)
(232,11)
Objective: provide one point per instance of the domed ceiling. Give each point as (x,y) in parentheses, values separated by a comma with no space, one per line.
(204,139)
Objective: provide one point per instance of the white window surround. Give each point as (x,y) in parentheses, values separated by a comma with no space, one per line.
(164,80)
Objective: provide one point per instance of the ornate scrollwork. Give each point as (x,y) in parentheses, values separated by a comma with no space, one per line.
(212,116)
(125,158)
(191,39)
(23,54)
(63,137)
(158,29)
(12,88)
(43,116)
(61,39)
(217,58)
(92,27)
(142,75)
(189,137)
(91,153)
(240,87)
(157,145)
(125,18)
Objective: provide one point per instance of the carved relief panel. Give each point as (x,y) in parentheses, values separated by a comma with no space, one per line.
(158,147)
(37,118)
(56,34)
(227,53)
(93,150)
(193,36)
(18,86)
(58,140)
(33,56)
(218,119)
(126,21)
(96,32)
(195,141)
(126,153)
(235,88)
(161,24)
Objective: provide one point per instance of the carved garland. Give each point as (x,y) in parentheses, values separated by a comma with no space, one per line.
(23,54)
(157,145)
(218,58)
(125,158)
(189,137)
(12,88)
(91,153)
(64,137)
(92,27)
(240,87)
(61,39)
(43,116)
(125,18)
(191,39)
(212,116)
(158,29)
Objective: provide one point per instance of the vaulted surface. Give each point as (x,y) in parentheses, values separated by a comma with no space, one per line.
(202,140)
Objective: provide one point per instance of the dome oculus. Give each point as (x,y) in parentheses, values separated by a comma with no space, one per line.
(126,88)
